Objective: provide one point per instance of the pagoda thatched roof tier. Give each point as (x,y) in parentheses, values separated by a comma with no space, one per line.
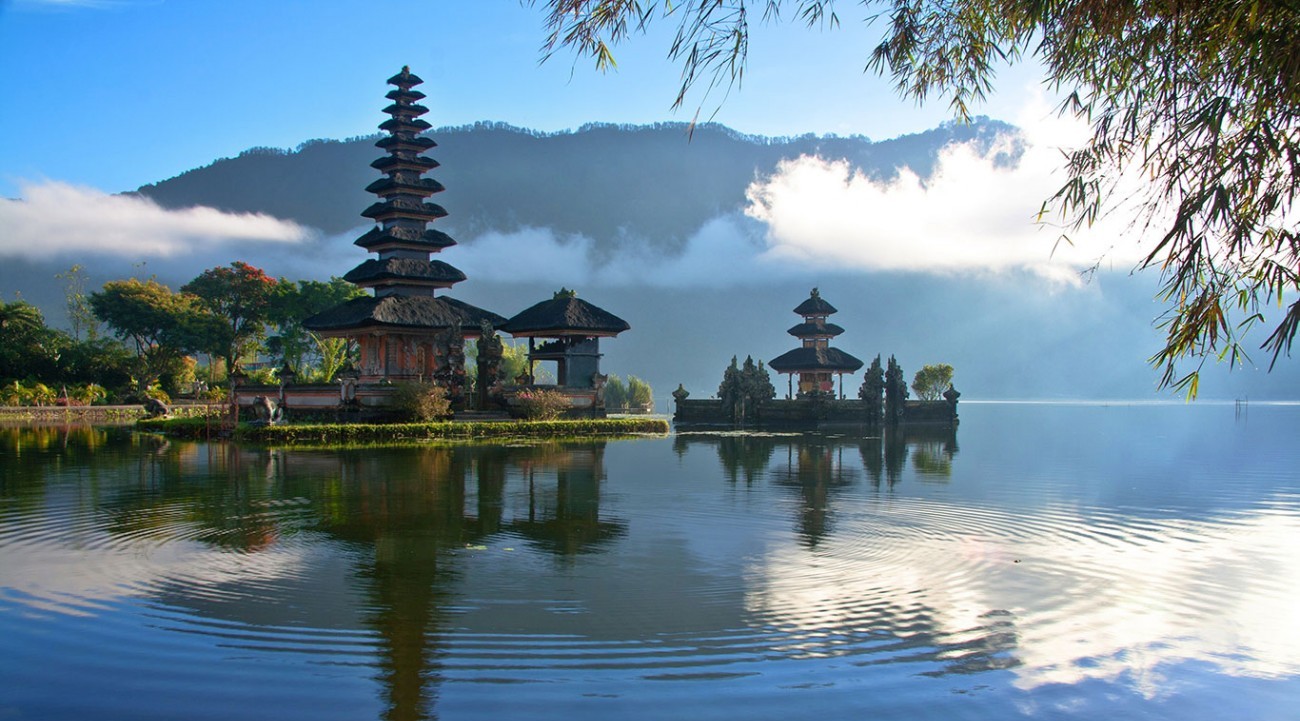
(815,330)
(406,109)
(803,360)
(405,79)
(418,144)
(403,312)
(405,125)
(393,163)
(415,271)
(409,96)
(565,315)
(378,238)
(398,209)
(424,187)
(815,305)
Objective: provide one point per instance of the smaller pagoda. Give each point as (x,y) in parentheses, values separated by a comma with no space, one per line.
(572,329)
(815,361)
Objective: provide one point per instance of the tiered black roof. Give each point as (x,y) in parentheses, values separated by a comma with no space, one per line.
(815,359)
(815,330)
(815,305)
(407,312)
(565,315)
(403,276)
(380,270)
(818,356)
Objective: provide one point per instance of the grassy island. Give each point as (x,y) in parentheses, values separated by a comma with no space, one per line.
(356,433)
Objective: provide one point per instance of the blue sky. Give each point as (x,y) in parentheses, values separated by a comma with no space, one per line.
(113,94)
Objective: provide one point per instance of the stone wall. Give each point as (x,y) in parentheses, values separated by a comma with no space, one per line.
(809,414)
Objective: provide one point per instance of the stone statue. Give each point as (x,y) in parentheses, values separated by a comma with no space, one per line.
(155,408)
(267,410)
(491,351)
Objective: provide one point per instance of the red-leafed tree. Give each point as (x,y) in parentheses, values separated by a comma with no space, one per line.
(242,296)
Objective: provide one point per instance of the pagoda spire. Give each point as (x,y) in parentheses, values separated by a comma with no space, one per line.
(401,237)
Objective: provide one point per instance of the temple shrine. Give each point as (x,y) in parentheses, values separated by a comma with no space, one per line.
(815,361)
(408,330)
(405,330)
(747,398)
(573,328)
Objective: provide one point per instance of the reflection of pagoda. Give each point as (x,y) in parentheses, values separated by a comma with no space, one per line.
(815,361)
(405,331)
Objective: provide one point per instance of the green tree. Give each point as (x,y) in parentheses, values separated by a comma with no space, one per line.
(931,381)
(162,325)
(873,389)
(1200,100)
(639,394)
(28,348)
(241,296)
(615,393)
(80,315)
(290,305)
(744,387)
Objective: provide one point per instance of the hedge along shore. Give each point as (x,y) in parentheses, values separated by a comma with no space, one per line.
(96,414)
(357,433)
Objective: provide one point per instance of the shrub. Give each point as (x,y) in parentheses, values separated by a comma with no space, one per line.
(421,402)
(639,394)
(542,405)
(615,393)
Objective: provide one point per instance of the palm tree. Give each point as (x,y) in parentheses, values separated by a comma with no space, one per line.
(20,317)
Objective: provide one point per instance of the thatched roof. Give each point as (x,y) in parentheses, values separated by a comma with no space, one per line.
(815,305)
(432,240)
(406,109)
(418,144)
(416,270)
(399,209)
(405,125)
(809,330)
(814,359)
(405,79)
(408,95)
(565,315)
(390,186)
(390,163)
(406,312)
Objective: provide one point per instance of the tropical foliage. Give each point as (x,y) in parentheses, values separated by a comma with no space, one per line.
(744,388)
(635,394)
(931,381)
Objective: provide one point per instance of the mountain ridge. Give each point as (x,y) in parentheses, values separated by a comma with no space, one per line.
(609,183)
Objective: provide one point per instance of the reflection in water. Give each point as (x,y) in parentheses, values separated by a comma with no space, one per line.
(644,579)
(406,508)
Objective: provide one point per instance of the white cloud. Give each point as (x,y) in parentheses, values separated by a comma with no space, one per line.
(971,215)
(724,251)
(56,219)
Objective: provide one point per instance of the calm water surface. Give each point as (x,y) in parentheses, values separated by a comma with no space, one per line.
(1042,562)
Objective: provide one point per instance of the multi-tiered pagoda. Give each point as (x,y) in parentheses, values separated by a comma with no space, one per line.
(405,330)
(815,361)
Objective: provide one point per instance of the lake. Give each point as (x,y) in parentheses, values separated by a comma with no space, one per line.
(1042,561)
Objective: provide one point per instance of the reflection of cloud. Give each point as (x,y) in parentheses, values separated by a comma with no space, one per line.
(1071,598)
(57,218)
